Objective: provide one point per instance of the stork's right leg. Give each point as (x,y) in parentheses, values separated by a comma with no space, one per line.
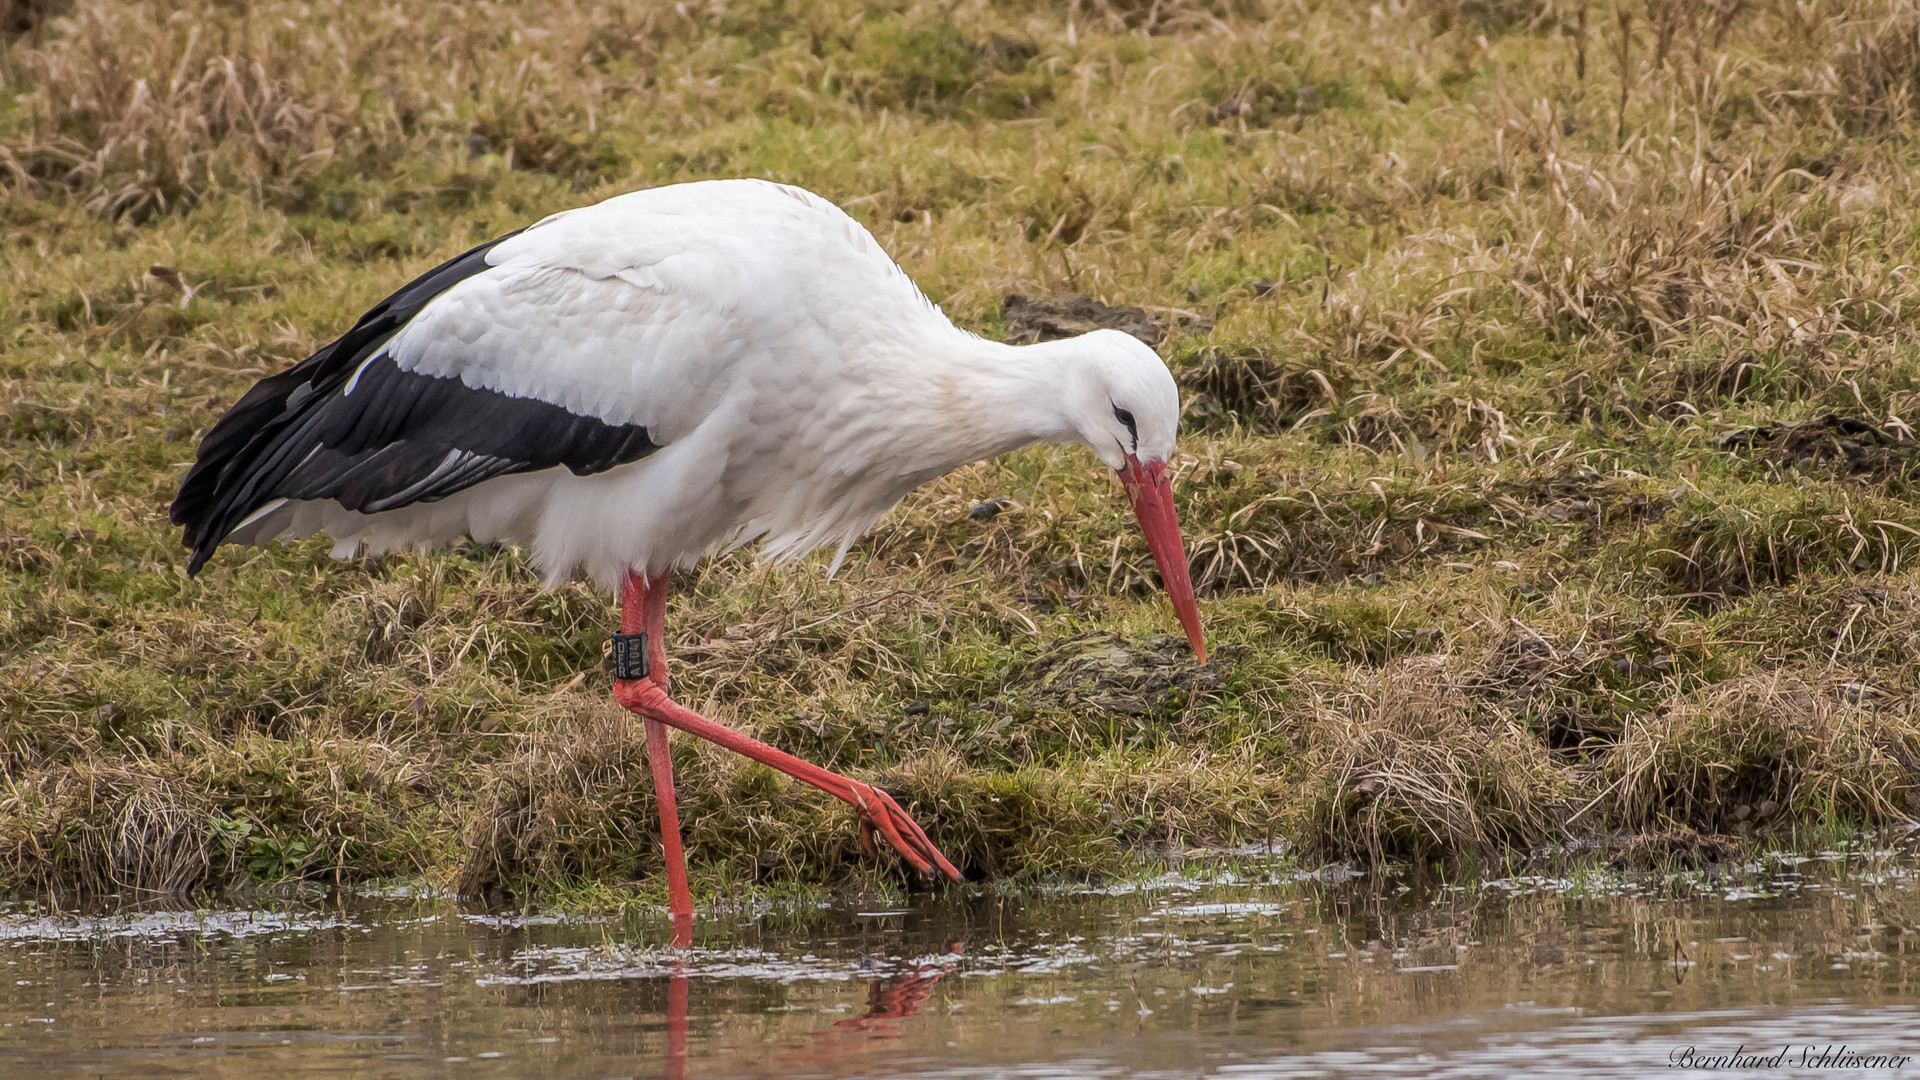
(648,697)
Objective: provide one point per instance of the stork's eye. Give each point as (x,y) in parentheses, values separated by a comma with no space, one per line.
(1126,418)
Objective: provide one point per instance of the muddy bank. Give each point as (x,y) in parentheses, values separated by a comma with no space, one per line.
(1428,756)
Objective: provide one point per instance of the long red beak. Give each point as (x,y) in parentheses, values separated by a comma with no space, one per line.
(1151,492)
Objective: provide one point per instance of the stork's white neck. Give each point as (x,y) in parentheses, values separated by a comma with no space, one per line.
(977,399)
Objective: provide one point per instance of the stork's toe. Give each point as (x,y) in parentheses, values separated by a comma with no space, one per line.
(879,812)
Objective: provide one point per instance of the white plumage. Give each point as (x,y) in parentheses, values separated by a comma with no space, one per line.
(797,384)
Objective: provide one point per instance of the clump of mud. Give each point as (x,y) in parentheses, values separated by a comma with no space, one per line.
(1254,387)
(1071,314)
(1832,441)
(1107,674)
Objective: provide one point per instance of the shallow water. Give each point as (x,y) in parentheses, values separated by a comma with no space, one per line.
(1241,971)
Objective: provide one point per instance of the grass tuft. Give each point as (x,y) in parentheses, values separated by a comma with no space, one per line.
(1737,755)
(1406,769)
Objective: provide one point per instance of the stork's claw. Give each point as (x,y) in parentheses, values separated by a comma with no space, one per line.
(879,813)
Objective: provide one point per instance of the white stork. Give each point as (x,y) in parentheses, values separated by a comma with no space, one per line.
(627,387)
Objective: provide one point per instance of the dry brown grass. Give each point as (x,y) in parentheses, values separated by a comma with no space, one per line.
(1755,750)
(1407,766)
(171,820)
(139,108)
(126,830)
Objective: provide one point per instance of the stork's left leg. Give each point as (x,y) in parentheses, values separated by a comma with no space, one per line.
(648,697)
(644,604)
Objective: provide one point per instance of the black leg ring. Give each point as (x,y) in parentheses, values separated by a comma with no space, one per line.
(629,656)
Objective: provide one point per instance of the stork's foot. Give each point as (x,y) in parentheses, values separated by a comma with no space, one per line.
(879,813)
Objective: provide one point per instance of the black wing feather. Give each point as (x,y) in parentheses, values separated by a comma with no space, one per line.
(398,438)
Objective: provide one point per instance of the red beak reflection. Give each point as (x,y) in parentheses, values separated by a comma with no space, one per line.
(1151,492)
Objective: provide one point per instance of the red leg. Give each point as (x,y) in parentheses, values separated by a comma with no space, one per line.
(642,606)
(648,697)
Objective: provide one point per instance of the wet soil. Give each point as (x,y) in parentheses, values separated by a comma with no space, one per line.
(1846,444)
(1071,314)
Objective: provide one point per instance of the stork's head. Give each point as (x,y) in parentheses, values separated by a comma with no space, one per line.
(1124,405)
